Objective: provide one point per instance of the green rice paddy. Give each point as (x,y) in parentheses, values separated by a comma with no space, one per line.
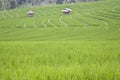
(84,45)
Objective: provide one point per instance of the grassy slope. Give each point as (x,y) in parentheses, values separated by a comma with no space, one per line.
(49,46)
(88,21)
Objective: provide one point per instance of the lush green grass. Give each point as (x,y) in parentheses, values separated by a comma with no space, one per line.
(50,46)
(60,60)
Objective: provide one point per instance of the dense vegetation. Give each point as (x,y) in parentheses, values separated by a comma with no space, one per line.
(84,45)
(62,60)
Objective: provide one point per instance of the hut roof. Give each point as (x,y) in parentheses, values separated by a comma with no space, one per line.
(30,11)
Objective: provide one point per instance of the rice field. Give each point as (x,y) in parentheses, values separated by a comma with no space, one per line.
(84,45)
(88,21)
(71,60)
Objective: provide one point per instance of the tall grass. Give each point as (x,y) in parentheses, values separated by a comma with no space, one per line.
(71,60)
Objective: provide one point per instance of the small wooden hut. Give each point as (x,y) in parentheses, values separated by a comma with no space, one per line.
(66,11)
(30,13)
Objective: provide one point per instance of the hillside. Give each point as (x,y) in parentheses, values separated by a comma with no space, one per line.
(84,45)
(88,21)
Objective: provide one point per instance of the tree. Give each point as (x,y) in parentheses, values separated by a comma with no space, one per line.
(59,2)
(66,1)
(19,2)
(72,1)
(0,5)
(13,4)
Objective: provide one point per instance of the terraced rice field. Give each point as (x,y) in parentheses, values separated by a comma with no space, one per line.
(84,45)
(89,21)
